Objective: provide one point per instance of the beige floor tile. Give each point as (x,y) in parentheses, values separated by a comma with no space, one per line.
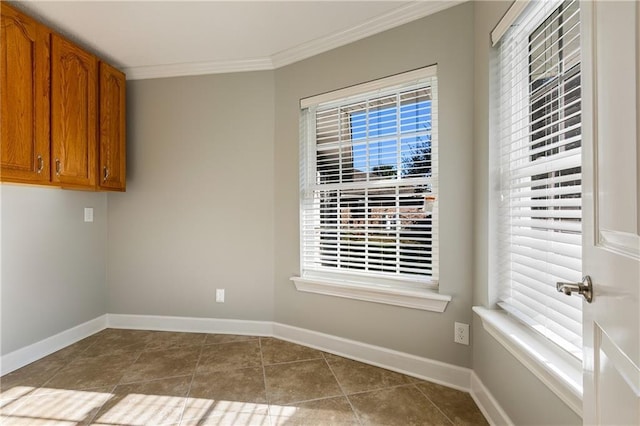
(356,376)
(132,377)
(300,381)
(276,351)
(330,411)
(59,406)
(162,364)
(158,402)
(161,340)
(229,356)
(117,341)
(85,373)
(455,404)
(71,352)
(234,397)
(404,405)
(211,339)
(110,334)
(241,385)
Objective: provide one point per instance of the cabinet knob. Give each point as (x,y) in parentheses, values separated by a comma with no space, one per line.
(105,174)
(40,164)
(58,167)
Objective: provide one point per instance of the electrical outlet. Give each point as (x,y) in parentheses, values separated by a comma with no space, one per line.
(88,214)
(220,295)
(461,333)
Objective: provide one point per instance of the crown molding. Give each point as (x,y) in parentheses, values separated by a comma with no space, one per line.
(197,68)
(411,12)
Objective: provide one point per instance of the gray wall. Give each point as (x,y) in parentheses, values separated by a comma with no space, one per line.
(523,396)
(445,39)
(53,263)
(213,185)
(198,211)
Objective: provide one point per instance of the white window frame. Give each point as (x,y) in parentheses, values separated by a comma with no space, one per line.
(418,293)
(560,371)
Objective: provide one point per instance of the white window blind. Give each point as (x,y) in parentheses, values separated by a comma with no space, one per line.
(540,239)
(369,182)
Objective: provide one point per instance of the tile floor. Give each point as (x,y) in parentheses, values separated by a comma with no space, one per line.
(132,377)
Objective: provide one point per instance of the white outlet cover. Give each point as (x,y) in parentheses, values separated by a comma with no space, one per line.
(220,295)
(88,214)
(461,333)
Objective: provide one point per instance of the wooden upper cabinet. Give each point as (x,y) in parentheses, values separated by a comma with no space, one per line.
(24,98)
(111,136)
(62,112)
(73,114)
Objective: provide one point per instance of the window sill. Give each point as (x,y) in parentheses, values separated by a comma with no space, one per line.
(560,372)
(424,299)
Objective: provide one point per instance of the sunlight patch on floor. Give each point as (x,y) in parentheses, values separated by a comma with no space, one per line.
(11,396)
(54,407)
(61,407)
(281,413)
(225,412)
(137,409)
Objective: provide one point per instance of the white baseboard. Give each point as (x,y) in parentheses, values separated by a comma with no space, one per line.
(190,324)
(23,356)
(423,368)
(492,411)
(435,371)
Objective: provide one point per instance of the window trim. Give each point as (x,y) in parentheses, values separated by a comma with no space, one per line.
(370,86)
(534,17)
(558,370)
(423,299)
(421,293)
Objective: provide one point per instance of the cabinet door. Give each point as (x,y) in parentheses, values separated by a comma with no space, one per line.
(111,138)
(24,98)
(73,114)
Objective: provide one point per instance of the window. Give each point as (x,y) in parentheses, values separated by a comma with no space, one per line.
(539,125)
(369,183)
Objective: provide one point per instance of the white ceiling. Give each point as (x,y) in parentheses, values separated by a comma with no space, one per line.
(167,38)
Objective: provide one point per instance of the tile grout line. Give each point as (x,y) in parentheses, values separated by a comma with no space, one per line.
(66,364)
(193,375)
(20,400)
(403,385)
(112,392)
(434,404)
(296,361)
(355,413)
(157,379)
(128,367)
(95,341)
(77,357)
(264,380)
(273,417)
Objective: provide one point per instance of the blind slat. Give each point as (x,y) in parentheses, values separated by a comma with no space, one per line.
(539,127)
(369,203)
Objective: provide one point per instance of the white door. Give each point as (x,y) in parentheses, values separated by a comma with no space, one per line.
(611,182)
